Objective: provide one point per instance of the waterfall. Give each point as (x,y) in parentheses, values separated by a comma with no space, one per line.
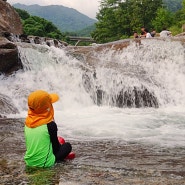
(158,66)
(150,75)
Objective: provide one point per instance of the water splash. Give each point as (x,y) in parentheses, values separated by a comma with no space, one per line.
(158,66)
(155,70)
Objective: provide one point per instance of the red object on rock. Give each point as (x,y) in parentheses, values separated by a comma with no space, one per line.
(61,140)
(71,155)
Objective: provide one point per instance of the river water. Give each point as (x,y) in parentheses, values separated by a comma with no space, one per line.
(156,65)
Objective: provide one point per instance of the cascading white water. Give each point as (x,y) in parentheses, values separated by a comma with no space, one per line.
(156,65)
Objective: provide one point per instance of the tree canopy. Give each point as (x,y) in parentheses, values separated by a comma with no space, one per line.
(33,25)
(118,19)
(164,19)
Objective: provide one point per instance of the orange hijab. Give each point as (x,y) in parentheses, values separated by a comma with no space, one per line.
(40,110)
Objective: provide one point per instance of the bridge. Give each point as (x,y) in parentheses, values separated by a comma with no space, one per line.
(81,39)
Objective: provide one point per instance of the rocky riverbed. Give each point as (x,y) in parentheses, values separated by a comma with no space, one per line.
(97,162)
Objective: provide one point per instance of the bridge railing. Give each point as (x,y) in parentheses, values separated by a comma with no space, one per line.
(81,39)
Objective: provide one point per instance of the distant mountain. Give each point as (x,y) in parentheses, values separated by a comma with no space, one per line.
(66,19)
(173,5)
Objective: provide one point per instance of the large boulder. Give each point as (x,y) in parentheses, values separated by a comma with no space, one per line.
(10,61)
(9,19)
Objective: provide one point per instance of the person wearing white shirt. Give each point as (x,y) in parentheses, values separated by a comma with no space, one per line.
(147,33)
(165,33)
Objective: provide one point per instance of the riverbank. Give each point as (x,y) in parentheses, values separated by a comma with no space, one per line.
(96,162)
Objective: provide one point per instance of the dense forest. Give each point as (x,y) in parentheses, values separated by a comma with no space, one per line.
(33,25)
(117,19)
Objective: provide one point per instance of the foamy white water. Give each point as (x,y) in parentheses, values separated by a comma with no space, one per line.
(163,127)
(157,65)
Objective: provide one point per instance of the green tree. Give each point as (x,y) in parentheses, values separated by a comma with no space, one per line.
(118,18)
(22,13)
(37,26)
(142,12)
(183,4)
(179,20)
(104,28)
(164,18)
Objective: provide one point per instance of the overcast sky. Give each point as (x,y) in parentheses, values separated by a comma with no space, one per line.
(87,7)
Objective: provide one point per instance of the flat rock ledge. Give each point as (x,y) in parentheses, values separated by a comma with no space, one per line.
(97,162)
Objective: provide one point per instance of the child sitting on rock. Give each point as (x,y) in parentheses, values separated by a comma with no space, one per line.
(42,146)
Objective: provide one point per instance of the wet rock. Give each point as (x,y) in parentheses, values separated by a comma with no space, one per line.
(6,106)
(133,97)
(9,57)
(136,98)
(97,162)
(24,38)
(7,35)
(45,41)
